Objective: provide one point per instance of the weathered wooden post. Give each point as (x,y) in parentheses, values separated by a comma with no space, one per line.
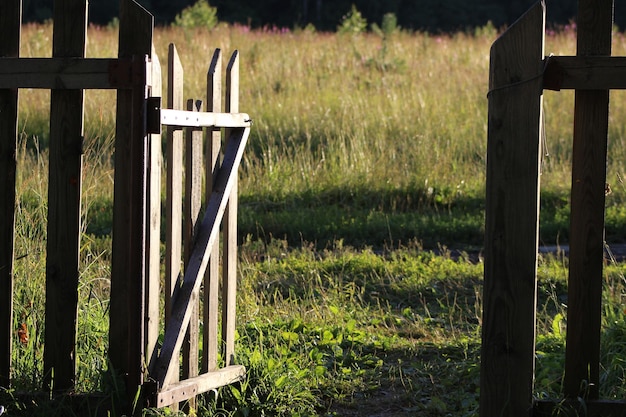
(591,121)
(512,218)
(129,270)
(64,194)
(10,31)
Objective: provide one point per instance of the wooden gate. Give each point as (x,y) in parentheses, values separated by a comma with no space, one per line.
(519,73)
(150,371)
(201,238)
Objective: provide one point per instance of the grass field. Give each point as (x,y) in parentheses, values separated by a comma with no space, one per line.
(361,222)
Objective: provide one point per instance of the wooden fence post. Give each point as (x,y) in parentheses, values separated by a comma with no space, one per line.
(512,218)
(10,31)
(591,121)
(64,195)
(128,270)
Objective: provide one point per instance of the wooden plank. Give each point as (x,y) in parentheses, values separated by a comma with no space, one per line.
(193,201)
(10,28)
(207,237)
(203,119)
(591,113)
(229,280)
(210,341)
(66,73)
(200,384)
(64,196)
(174,189)
(153,238)
(512,218)
(585,73)
(126,333)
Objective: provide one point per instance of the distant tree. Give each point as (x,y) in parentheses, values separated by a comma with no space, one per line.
(198,15)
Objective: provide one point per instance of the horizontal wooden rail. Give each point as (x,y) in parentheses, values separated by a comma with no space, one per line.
(72,73)
(585,73)
(181,391)
(185,118)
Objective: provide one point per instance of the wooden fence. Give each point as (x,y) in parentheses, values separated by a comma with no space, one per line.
(146,366)
(519,73)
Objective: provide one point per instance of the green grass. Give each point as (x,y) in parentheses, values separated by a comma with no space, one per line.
(361,222)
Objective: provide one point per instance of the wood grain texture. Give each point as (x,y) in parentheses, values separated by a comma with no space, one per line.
(591,112)
(191,119)
(128,269)
(210,342)
(585,73)
(64,200)
(10,31)
(512,218)
(65,73)
(198,385)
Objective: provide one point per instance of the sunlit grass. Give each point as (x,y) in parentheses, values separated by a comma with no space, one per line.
(366,162)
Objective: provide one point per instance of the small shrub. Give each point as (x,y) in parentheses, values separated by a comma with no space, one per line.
(487,31)
(353,22)
(388,27)
(199,15)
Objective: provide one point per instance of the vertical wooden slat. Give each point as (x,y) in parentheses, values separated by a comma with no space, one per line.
(126,334)
(193,201)
(64,194)
(153,239)
(174,189)
(229,280)
(174,180)
(591,112)
(211,283)
(512,207)
(10,24)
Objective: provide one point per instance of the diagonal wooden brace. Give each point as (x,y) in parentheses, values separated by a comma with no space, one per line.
(207,236)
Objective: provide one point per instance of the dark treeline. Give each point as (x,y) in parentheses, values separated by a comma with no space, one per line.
(426,15)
